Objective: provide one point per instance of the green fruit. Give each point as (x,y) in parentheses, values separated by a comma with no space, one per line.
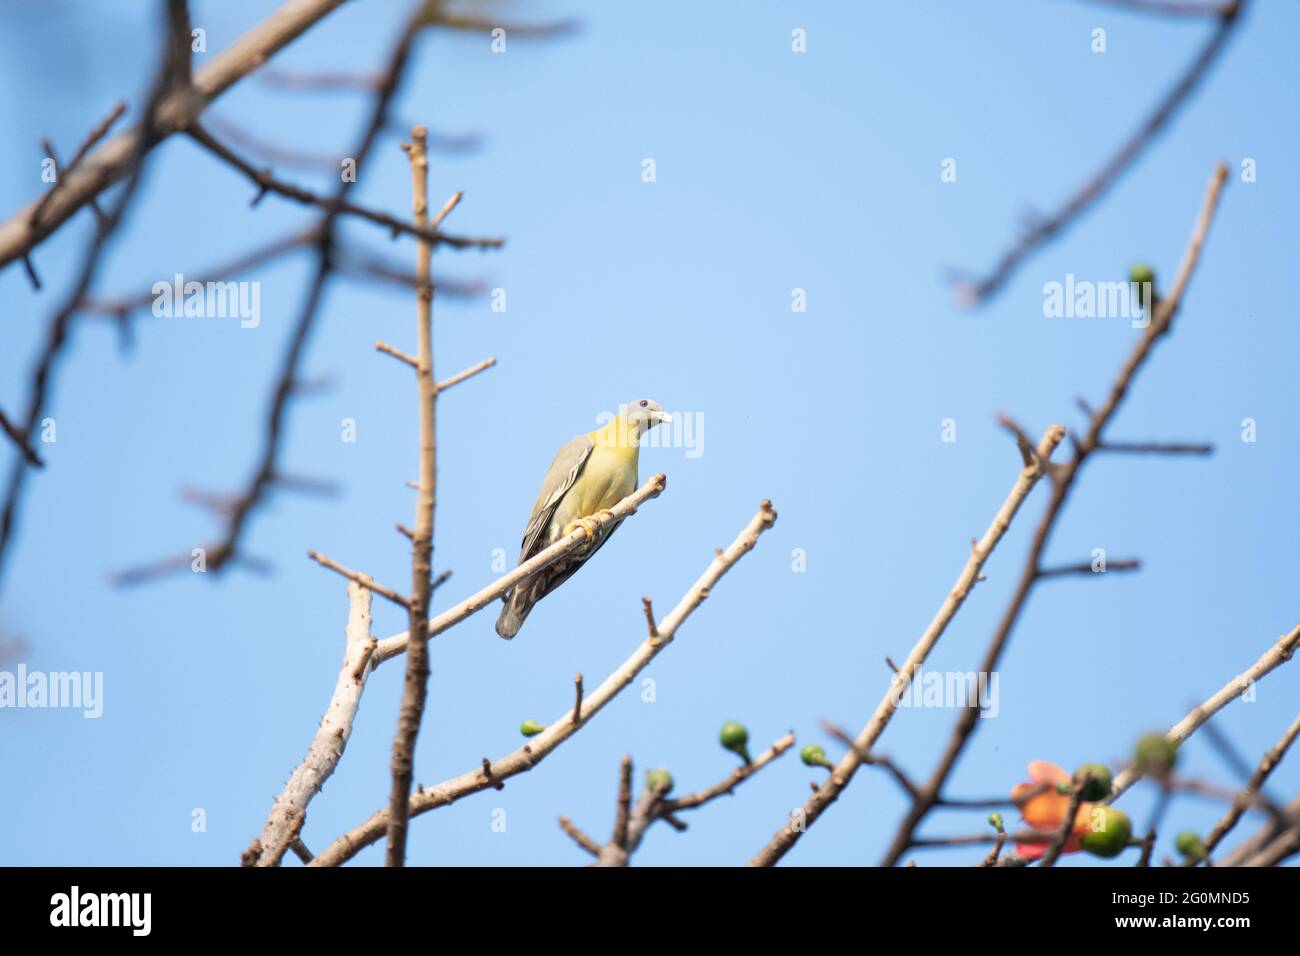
(658,781)
(1140,272)
(530,728)
(1099,781)
(995,821)
(1190,844)
(1110,833)
(814,755)
(1155,755)
(1143,279)
(734,737)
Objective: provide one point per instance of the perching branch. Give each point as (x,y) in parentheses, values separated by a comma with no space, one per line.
(561,729)
(576,539)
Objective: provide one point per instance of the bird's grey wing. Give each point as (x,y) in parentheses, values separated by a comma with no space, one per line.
(564,471)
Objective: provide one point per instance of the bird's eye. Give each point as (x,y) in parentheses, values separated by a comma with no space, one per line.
(644,403)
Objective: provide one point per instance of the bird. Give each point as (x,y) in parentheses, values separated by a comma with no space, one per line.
(590,474)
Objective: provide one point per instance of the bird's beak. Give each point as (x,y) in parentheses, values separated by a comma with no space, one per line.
(664,417)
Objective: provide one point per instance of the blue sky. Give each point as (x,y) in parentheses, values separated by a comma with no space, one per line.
(775,171)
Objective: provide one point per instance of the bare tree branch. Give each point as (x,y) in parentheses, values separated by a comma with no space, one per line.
(561,729)
(415,689)
(840,777)
(116,159)
(1274,657)
(1062,483)
(331,736)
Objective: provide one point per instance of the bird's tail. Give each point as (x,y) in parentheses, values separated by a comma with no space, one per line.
(518,603)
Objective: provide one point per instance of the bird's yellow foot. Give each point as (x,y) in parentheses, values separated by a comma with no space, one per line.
(591,524)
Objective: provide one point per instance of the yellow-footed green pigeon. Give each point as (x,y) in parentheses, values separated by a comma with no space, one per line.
(592,473)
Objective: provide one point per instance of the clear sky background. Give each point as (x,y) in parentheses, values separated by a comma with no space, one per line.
(775,170)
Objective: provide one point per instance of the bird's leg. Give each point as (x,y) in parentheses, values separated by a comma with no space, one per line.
(591,524)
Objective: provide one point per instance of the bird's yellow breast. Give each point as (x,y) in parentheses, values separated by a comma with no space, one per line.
(609,476)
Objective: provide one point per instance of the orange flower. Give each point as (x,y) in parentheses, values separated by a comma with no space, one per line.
(1043,808)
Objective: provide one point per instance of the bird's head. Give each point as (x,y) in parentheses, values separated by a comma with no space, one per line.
(644,414)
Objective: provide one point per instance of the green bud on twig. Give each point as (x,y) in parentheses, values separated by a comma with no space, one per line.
(658,781)
(734,737)
(814,755)
(1155,755)
(1190,845)
(1098,780)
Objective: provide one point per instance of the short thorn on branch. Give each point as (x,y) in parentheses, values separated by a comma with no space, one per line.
(578,837)
(1028,453)
(470,372)
(650,618)
(577,699)
(397,354)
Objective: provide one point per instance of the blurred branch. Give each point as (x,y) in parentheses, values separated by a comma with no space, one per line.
(20,439)
(1171,8)
(980,291)
(95,135)
(1250,794)
(118,158)
(1260,841)
(1155,448)
(60,326)
(1274,657)
(350,259)
(220,553)
(267,183)
(1086,567)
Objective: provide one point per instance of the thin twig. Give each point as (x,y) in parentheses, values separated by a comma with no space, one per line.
(578,837)
(470,372)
